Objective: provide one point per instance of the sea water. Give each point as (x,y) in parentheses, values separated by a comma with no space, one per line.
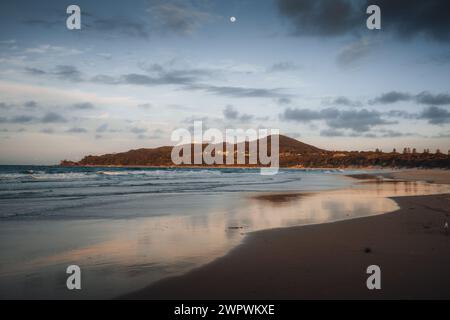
(129,227)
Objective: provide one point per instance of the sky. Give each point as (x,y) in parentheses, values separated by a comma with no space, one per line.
(137,70)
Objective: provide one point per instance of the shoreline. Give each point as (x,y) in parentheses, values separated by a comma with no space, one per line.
(328,261)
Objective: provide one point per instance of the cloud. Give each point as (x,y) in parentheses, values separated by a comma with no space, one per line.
(67,72)
(64,72)
(402,19)
(155,134)
(5,106)
(393,133)
(120,25)
(180,17)
(22,119)
(49,49)
(30,104)
(356,120)
(360,120)
(76,130)
(332,133)
(420,18)
(424,97)
(137,130)
(430,99)
(401,114)
(283,66)
(435,115)
(321,17)
(52,117)
(48,131)
(83,106)
(230,113)
(391,97)
(145,106)
(187,79)
(102,128)
(242,92)
(35,71)
(306,115)
(354,52)
(159,74)
(283,101)
(343,101)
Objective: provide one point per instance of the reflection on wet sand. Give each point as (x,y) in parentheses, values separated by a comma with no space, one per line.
(136,252)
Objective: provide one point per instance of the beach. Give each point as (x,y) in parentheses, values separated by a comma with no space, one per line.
(329,260)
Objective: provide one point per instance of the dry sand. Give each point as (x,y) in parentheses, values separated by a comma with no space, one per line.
(329,261)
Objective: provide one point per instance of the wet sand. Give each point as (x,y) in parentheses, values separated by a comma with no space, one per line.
(329,261)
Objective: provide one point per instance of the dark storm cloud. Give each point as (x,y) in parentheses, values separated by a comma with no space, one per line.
(411,18)
(404,19)
(322,17)
(356,120)
(435,115)
(424,97)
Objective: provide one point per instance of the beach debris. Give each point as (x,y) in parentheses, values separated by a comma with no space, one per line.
(367,250)
(446,227)
(235,227)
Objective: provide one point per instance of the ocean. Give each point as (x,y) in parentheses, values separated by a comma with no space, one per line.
(37,192)
(129,227)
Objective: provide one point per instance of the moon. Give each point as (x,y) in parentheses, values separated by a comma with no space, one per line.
(233,19)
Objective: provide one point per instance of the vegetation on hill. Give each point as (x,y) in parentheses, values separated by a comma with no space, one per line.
(292,153)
